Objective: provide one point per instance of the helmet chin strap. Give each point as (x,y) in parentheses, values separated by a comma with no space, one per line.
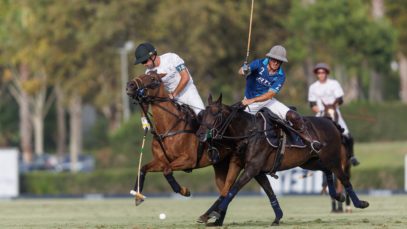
(153,60)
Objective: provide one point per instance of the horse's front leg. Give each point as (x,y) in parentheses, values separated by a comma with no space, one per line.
(153,166)
(252,169)
(228,176)
(181,163)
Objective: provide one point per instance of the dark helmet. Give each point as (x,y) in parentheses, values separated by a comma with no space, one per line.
(143,52)
(322,66)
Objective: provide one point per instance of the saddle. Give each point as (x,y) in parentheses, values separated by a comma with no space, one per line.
(189,115)
(271,120)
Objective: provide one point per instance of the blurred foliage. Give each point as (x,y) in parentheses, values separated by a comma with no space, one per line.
(76,44)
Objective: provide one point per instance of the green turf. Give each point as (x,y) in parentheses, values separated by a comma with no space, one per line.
(381,154)
(244,212)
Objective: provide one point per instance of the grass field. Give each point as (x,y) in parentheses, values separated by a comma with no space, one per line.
(244,212)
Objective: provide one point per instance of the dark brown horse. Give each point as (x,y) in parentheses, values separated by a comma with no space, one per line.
(259,156)
(175,144)
(330,111)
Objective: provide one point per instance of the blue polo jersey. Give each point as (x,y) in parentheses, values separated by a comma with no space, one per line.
(259,81)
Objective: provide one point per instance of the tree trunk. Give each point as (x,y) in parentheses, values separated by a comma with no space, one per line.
(38,124)
(375,87)
(75,144)
(308,67)
(37,118)
(25,124)
(403,77)
(112,114)
(352,89)
(377,8)
(61,127)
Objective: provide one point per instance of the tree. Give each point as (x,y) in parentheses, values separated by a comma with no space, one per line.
(343,33)
(396,10)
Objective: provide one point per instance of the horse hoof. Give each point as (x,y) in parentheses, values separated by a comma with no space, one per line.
(139,201)
(214,224)
(215,215)
(348,209)
(185,192)
(340,197)
(276,223)
(363,204)
(202,219)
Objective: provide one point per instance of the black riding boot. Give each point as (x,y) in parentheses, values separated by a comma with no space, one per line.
(348,141)
(299,125)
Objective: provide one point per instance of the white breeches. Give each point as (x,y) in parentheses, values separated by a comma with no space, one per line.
(190,97)
(272,104)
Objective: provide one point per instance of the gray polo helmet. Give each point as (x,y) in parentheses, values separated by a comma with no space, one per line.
(322,66)
(278,52)
(143,52)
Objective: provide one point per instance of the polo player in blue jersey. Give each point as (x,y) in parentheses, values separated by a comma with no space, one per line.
(264,79)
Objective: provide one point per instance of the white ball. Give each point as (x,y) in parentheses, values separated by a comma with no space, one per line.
(162,216)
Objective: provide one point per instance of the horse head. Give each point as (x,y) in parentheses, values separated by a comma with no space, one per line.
(330,111)
(212,119)
(144,86)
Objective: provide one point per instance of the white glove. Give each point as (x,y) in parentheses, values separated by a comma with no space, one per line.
(145,123)
(246,69)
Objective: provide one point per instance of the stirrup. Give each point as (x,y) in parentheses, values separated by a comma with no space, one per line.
(314,147)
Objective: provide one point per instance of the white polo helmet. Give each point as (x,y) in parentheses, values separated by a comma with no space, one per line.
(278,52)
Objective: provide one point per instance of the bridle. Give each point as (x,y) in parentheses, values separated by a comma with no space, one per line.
(216,131)
(142,97)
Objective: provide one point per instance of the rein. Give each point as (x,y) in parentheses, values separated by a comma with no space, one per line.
(218,134)
(156,101)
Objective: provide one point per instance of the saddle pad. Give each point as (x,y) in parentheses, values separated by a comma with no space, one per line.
(270,120)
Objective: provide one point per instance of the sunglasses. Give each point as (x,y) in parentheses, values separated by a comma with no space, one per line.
(321,72)
(144,62)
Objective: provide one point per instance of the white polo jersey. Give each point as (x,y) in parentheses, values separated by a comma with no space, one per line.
(171,65)
(326,92)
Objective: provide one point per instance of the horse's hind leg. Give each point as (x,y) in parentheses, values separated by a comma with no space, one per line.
(349,189)
(265,184)
(331,187)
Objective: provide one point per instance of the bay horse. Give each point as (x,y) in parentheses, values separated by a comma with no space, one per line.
(330,111)
(220,121)
(175,145)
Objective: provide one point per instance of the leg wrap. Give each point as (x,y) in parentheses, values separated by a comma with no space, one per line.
(173,183)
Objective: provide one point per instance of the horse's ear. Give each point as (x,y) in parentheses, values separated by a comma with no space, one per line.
(161,75)
(219,99)
(210,99)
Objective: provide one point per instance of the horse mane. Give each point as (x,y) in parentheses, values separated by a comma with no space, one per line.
(341,130)
(189,115)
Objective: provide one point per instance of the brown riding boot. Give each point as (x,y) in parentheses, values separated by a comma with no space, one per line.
(299,125)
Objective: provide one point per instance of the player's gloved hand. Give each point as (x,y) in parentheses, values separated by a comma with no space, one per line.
(246,68)
(145,123)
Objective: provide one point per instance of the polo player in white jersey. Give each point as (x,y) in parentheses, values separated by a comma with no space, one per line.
(177,81)
(329,91)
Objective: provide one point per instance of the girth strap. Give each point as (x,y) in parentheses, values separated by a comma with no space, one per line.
(279,154)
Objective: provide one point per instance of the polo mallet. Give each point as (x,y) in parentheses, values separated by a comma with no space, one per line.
(250,33)
(132,192)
